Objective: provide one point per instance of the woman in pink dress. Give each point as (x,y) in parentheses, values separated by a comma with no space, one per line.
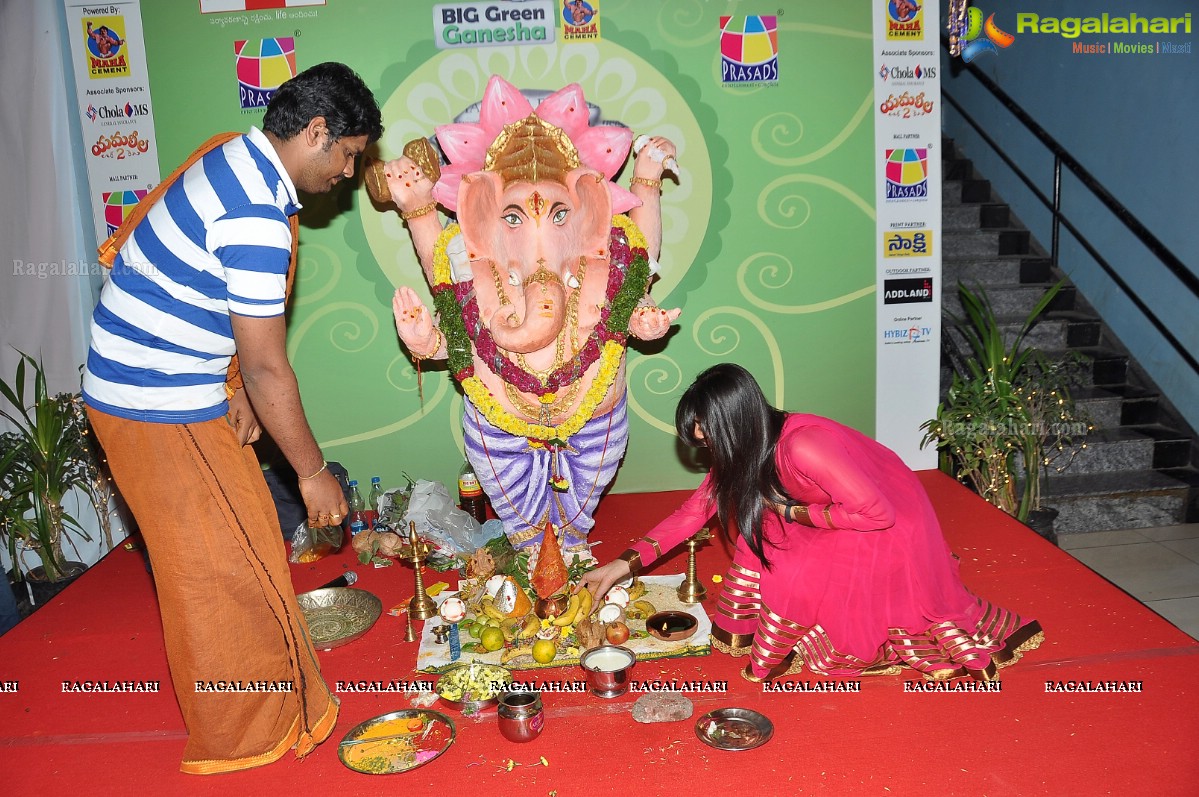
(839,556)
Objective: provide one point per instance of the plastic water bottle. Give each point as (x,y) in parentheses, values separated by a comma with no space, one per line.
(373,500)
(358,519)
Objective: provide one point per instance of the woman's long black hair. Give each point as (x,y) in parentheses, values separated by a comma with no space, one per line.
(741,431)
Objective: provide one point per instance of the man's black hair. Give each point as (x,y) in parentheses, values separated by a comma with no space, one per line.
(331,90)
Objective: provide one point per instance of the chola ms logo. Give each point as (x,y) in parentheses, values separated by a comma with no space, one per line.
(906,172)
(263,65)
(906,73)
(905,20)
(749,49)
(115,114)
(104,38)
(966,25)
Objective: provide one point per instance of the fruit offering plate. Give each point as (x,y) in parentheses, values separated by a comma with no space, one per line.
(661,591)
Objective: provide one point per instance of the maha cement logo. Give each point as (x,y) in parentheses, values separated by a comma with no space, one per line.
(118,205)
(107,54)
(263,65)
(749,49)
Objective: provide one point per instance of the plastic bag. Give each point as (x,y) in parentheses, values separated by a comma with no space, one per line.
(447,528)
(309,545)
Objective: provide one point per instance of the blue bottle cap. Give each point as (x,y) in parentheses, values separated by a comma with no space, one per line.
(375,479)
(353,482)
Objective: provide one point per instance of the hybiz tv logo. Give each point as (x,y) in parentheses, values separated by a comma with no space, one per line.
(749,49)
(263,65)
(906,174)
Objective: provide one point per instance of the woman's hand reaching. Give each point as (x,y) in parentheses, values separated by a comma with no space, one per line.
(601,579)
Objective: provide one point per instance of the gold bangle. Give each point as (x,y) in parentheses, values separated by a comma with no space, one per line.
(422,210)
(319,471)
(649,182)
(437,339)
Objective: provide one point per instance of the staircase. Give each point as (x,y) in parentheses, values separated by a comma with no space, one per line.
(1138,467)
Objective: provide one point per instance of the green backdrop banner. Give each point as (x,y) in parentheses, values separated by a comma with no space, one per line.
(768,232)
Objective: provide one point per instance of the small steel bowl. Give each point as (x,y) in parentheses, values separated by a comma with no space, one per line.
(493,674)
(671,626)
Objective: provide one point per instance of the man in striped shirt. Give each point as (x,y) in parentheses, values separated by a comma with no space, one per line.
(201,278)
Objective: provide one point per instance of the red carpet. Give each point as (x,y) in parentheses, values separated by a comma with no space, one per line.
(1021,741)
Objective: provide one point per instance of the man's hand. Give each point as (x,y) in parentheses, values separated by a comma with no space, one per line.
(601,579)
(325,501)
(242,418)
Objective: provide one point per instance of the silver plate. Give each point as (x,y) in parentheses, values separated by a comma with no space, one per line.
(734,729)
(399,751)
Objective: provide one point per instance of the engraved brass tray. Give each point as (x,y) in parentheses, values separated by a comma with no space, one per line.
(734,729)
(338,615)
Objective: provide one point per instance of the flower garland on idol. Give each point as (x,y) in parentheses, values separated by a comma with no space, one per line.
(458,307)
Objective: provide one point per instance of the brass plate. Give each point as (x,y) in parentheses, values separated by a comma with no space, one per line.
(734,729)
(338,615)
(400,749)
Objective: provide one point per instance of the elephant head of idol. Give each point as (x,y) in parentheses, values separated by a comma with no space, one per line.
(533,193)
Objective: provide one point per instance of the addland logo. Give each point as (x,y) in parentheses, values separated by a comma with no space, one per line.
(580,20)
(971,36)
(905,20)
(263,65)
(749,49)
(908,291)
(906,174)
(107,55)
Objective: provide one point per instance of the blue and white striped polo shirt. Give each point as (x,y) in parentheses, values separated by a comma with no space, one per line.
(217,242)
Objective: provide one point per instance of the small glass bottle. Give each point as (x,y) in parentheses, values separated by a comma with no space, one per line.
(373,500)
(470,493)
(357,518)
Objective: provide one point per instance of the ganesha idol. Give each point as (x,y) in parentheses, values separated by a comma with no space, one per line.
(536,287)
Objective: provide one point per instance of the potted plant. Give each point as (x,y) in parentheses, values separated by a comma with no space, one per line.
(1008,417)
(47,457)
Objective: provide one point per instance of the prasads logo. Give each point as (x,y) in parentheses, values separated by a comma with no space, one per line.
(118,205)
(906,174)
(749,49)
(107,55)
(905,20)
(907,291)
(970,36)
(263,65)
(580,20)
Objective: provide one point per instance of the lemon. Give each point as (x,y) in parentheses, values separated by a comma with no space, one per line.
(544,651)
(492,638)
(475,630)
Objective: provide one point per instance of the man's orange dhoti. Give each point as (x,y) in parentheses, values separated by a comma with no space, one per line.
(229,611)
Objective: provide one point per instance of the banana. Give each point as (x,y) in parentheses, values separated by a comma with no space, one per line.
(586,603)
(511,628)
(530,628)
(572,609)
(490,609)
(636,589)
(641,610)
(512,653)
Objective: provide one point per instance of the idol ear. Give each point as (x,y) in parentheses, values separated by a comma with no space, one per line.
(593,210)
(479,215)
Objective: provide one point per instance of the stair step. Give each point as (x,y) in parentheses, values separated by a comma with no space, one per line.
(983,243)
(1018,300)
(999,270)
(974,217)
(962,192)
(1107,450)
(1134,499)
(1103,409)
(1109,368)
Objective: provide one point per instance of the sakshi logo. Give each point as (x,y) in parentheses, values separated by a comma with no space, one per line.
(905,20)
(912,334)
(115,114)
(107,53)
(970,36)
(906,106)
(908,243)
(908,291)
(906,174)
(580,20)
(749,49)
(118,205)
(907,74)
(263,65)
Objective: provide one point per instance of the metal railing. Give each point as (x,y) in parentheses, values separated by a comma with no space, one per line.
(1063,158)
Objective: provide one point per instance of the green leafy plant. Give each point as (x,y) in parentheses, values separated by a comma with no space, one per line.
(1008,416)
(49,455)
